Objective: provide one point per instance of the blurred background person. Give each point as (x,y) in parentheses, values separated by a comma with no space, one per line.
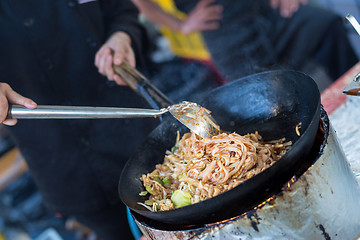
(246,37)
(181,66)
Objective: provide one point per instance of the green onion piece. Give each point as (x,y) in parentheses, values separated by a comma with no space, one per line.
(143,193)
(166,180)
(174,148)
(159,180)
(148,202)
(148,189)
(181,198)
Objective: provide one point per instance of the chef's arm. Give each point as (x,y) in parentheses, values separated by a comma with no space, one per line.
(8,95)
(204,16)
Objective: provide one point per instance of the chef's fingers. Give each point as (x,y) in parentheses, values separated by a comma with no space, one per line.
(99,56)
(15,98)
(8,95)
(130,57)
(10,122)
(108,69)
(123,54)
(119,55)
(4,106)
(101,61)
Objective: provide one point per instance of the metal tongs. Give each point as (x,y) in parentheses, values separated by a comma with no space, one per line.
(193,116)
(354,87)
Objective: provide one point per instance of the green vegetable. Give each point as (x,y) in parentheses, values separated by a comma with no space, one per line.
(181,198)
(148,189)
(159,181)
(174,148)
(148,202)
(143,193)
(166,180)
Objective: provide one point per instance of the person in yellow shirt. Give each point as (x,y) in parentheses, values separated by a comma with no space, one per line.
(183,31)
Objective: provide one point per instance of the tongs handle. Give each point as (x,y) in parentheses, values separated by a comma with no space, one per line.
(142,85)
(130,75)
(79,112)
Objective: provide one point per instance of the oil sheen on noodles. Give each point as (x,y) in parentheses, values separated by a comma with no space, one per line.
(197,169)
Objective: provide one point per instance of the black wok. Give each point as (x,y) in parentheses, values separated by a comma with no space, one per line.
(272,103)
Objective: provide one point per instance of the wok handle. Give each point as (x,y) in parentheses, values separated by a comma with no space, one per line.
(140,84)
(79,112)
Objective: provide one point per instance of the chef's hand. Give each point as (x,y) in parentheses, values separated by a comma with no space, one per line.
(116,50)
(7,95)
(287,7)
(205,16)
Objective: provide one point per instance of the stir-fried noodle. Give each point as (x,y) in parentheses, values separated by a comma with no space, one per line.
(197,169)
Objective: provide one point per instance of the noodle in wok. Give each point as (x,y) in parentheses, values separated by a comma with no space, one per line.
(200,168)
